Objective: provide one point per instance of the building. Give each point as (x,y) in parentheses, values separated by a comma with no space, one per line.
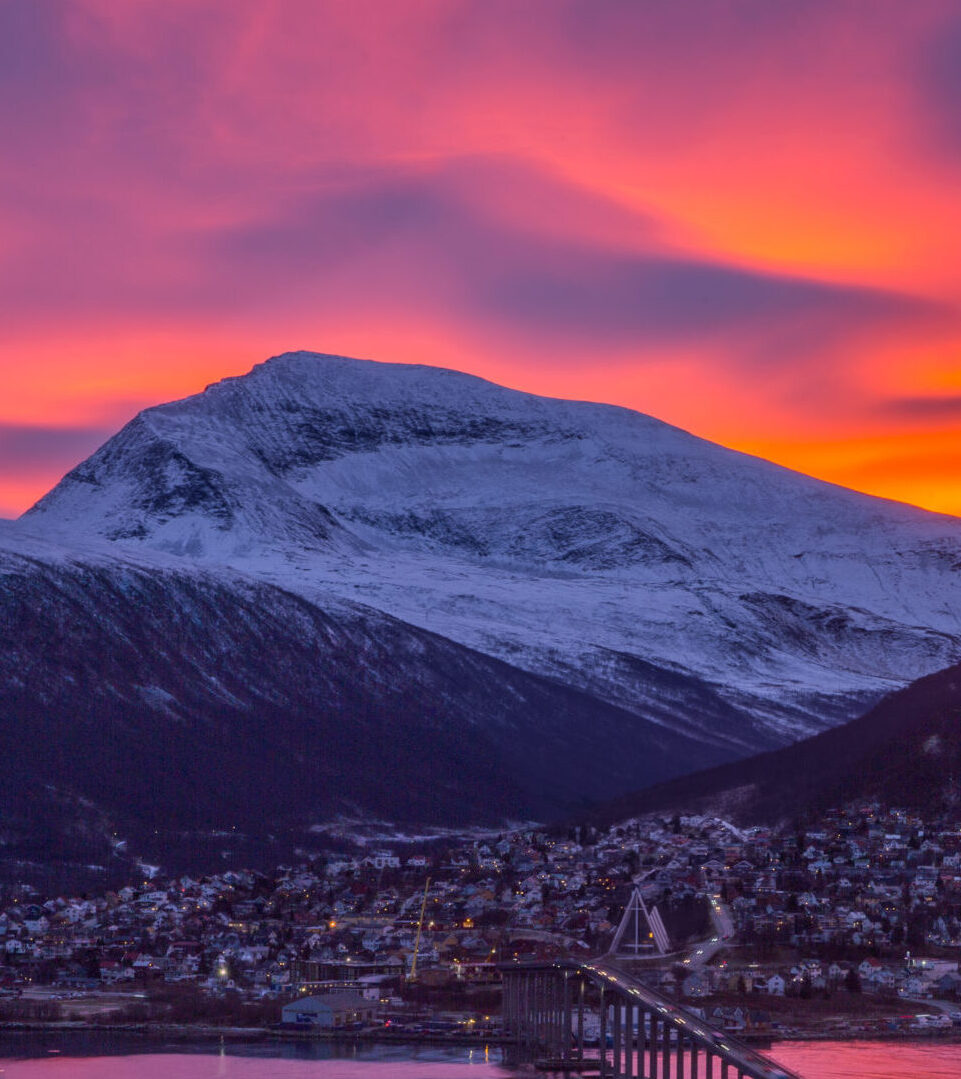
(331,1010)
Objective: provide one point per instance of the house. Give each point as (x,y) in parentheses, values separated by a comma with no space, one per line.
(775,985)
(949,985)
(869,967)
(915,986)
(330,1010)
(883,979)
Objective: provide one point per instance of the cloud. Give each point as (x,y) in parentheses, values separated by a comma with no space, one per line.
(654,300)
(938,80)
(942,407)
(425,240)
(34,457)
(32,54)
(501,246)
(39,449)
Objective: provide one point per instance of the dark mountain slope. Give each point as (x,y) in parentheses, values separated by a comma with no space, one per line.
(905,751)
(147,702)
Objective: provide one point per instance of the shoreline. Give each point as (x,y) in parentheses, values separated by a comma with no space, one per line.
(203,1031)
(207,1032)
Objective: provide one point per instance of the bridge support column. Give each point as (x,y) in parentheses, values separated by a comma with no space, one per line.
(560,1043)
(616,1062)
(552,1009)
(506,1004)
(527,1006)
(511,1010)
(567,1021)
(602,1045)
(541,1009)
(580,1018)
(666,1050)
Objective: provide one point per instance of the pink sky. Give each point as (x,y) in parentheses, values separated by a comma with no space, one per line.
(739,217)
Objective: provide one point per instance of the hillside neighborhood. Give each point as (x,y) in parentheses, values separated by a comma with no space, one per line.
(863,905)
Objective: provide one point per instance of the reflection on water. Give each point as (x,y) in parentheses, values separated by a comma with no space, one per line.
(89,1056)
(92,1056)
(192,1066)
(870,1060)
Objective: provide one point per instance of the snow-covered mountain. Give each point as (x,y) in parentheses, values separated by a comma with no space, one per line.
(733,602)
(336,587)
(189,712)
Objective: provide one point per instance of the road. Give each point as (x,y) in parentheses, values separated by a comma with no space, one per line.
(704,951)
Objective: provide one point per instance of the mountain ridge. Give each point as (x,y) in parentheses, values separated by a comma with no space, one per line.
(905,752)
(389,484)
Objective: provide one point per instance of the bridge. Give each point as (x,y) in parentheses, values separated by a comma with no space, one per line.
(643,1034)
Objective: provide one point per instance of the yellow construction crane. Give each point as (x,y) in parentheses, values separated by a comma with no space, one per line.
(420,925)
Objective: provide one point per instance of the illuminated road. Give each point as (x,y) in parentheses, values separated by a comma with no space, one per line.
(723,931)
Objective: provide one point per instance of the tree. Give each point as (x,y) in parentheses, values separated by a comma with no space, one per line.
(852,981)
(89,960)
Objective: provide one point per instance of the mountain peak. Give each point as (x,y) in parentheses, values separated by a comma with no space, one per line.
(317,373)
(586,541)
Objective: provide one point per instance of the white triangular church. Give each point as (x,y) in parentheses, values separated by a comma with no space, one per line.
(640,932)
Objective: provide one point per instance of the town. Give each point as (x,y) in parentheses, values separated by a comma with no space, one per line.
(851,925)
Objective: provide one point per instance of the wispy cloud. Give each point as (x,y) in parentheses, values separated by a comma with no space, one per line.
(37,448)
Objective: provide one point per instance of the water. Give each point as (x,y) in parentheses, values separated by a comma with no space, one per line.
(92,1056)
(870,1060)
(96,1057)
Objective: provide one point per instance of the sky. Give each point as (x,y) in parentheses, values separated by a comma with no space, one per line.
(739,216)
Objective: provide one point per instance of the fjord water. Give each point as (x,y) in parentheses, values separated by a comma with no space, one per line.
(95,1058)
(89,1056)
(870,1060)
